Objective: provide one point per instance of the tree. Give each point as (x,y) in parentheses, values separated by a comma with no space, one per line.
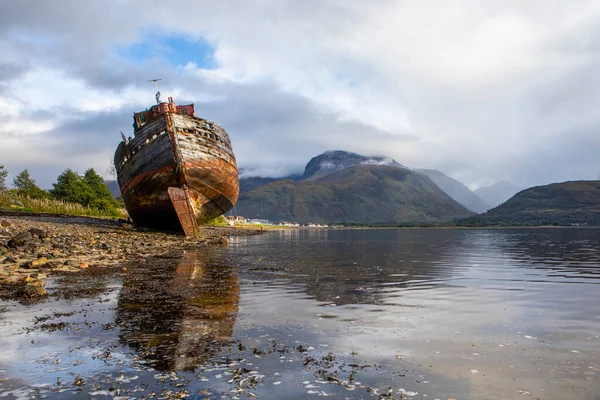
(3,175)
(70,186)
(25,185)
(23,181)
(88,190)
(96,183)
(103,197)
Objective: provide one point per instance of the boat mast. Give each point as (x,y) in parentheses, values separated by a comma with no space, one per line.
(157,91)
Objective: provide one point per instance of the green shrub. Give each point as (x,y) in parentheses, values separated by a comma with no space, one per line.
(88,190)
(218,221)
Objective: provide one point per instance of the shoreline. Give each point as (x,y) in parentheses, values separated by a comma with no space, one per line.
(34,247)
(284,228)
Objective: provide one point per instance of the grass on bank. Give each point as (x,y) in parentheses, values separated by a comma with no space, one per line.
(218,221)
(15,202)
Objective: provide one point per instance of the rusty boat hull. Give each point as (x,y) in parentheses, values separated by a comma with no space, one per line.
(178,172)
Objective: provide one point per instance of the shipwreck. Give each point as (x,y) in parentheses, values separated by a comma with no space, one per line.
(178,171)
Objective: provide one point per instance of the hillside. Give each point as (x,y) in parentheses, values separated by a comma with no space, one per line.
(358,194)
(252,182)
(567,203)
(498,193)
(456,190)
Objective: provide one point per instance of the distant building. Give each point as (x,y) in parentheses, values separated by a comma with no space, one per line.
(294,224)
(237,219)
(258,221)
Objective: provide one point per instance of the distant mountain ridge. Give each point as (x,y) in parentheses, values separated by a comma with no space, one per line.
(113,186)
(337,160)
(498,193)
(319,166)
(342,187)
(456,190)
(566,203)
(252,182)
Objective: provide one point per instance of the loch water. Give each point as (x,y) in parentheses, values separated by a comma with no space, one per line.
(348,313)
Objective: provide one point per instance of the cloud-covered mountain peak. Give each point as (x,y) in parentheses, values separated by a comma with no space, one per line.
(336,160)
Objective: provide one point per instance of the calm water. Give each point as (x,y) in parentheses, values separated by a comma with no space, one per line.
(423,313)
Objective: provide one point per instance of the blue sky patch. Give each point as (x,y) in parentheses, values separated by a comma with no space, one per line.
(175,50)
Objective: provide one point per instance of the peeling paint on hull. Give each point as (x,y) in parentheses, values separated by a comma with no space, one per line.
(183,152)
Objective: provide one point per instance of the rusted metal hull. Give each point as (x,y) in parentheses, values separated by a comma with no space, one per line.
(177,173)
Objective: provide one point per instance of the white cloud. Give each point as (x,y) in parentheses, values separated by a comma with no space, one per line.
(474,85)
(46,89)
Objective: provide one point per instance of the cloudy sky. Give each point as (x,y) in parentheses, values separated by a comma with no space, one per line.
(481,90)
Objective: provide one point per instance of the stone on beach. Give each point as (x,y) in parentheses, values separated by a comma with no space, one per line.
(34,247)
(33,289)
(20,239)
(35,263)
(38,232)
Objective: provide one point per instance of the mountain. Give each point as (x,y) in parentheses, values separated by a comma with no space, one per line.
(456,190)
(567,203)
(319,166)
(498,193)
(363,193)
(252,182)
(337,160)
(113,186)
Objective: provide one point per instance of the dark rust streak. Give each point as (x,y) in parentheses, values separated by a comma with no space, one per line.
(157,173)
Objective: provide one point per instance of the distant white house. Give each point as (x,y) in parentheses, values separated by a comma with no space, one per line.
(236,219)
(259,221)
(294,224)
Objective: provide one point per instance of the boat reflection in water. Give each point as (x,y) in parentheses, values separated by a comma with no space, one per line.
(176,316)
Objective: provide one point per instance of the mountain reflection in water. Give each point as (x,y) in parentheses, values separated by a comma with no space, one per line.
(361,266)
(178,317)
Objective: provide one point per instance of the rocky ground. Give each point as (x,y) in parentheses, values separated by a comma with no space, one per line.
(37,246)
